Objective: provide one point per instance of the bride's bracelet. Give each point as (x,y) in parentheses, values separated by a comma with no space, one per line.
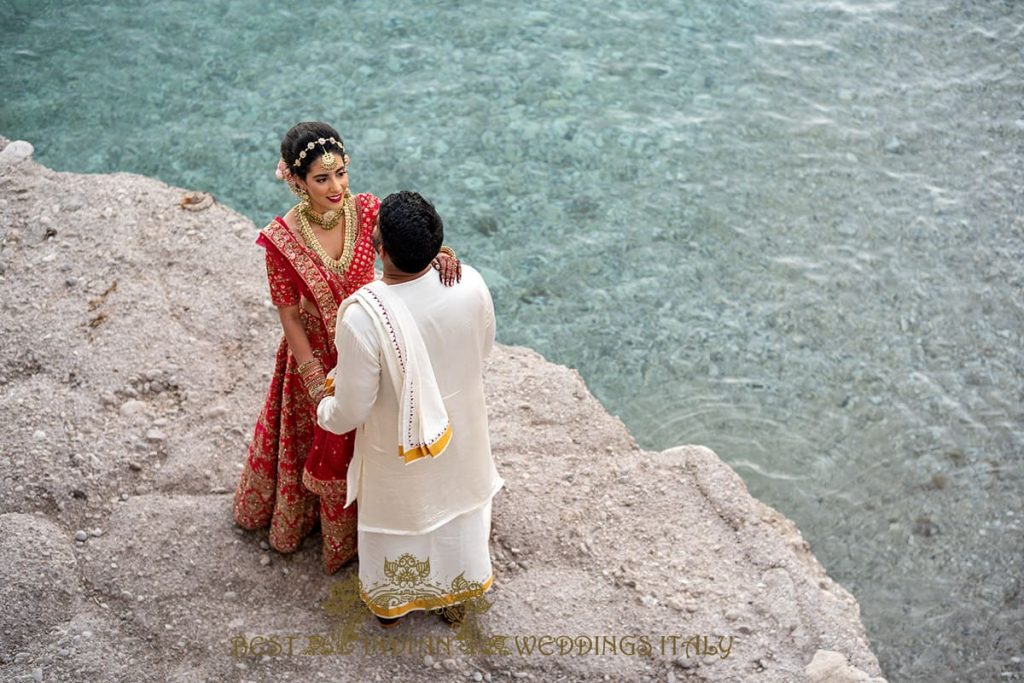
(303,368)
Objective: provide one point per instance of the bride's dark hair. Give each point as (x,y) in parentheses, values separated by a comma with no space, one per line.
(298,138)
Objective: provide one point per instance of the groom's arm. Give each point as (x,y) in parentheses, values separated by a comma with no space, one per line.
(356,377)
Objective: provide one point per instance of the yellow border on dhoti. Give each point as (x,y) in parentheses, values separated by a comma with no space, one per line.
(426,603)
(432,449)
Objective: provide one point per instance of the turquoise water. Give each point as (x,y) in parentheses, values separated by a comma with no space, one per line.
(789,230)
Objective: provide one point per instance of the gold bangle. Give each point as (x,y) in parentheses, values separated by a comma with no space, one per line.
(308,364)
(449,251)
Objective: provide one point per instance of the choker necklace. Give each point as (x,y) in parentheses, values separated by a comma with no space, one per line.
(339,265)
(328,220)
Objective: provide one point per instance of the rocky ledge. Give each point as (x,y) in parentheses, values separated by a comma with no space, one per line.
(138,341)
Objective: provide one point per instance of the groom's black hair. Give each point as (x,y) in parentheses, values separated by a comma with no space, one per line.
(410,230)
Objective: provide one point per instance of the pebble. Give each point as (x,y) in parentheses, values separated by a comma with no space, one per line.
(155,435)
(477,676)
(217,411)
(97,532)
(450,664)
(265,561)
(428,661)
(81,536)
(72,203)
(123,496)
(37,674)
(21,657)
(134,466)
(132,407)
(39,435)
(894,145)
(230,595)
(264,545)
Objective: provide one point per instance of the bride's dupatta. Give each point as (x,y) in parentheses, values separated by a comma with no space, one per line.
(327,463)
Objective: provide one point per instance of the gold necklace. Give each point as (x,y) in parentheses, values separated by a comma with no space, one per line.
(340,265)
(328,220)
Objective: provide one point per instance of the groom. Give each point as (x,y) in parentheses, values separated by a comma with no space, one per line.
(409,379)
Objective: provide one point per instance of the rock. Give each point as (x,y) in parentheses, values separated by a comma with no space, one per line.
(264,545)
(428,661)
(155,434)
(831,667)
(132,407)
(16,152)
(72,203)
(81,536)
(894,145)
(450,665)
(265,561)
(216,411)
(97,532)
(39,435)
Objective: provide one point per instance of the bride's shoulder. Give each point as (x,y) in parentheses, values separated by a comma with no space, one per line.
(282,226)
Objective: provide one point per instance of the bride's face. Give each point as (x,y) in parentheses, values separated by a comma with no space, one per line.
(326,189)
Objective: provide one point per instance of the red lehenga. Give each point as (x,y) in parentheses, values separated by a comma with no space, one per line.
(295,471)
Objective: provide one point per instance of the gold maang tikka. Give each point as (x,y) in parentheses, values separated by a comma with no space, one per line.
(328,160)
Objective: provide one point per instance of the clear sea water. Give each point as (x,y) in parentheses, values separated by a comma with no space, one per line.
(790,230)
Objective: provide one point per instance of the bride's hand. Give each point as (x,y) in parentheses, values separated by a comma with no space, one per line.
(448,267)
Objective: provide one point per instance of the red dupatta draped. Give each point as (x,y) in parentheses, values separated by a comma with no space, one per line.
(327,462)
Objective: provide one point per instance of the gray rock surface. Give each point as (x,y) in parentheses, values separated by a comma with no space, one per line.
(139,339)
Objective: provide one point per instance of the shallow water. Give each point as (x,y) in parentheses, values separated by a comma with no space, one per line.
(791,231)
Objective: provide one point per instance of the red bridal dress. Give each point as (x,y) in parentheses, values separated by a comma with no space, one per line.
(295,471)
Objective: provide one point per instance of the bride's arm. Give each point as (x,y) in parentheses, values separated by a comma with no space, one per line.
(314,375)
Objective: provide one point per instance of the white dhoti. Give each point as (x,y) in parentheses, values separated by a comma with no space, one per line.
(401,573)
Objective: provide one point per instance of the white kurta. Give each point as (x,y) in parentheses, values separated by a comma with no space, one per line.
(431,510)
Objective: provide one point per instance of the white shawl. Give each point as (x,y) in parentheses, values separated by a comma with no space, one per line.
(423,425)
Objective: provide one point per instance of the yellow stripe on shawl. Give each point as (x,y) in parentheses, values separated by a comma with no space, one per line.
(432,449)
